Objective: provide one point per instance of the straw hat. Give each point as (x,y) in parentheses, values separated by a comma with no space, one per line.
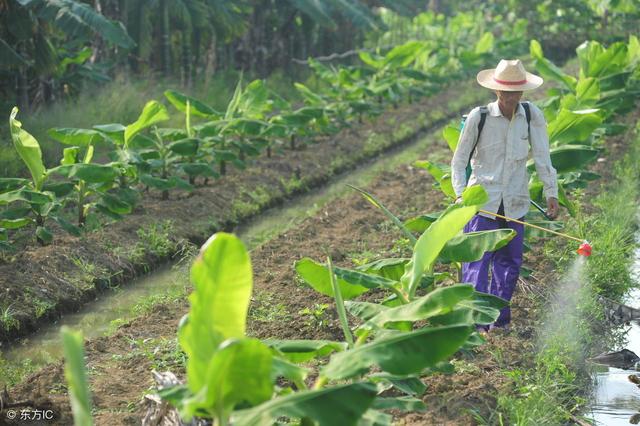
(509,76)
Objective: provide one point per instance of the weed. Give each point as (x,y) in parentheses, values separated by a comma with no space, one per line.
(42,307)
(7,318)
(292,185)
(156,238)
(263,308)
(163,353)
(316,315)
(12,373)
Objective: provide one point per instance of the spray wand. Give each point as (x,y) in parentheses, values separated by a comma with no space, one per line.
(583,250)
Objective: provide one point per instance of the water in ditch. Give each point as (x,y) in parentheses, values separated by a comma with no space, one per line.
(615,399)
(98,317)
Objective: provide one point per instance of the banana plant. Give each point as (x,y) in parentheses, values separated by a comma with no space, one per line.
(122,137)
(30,201)
(198,153)
(159,157)
(244,392)
(406,278)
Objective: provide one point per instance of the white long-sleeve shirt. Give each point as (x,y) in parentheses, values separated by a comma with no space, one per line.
(500,159)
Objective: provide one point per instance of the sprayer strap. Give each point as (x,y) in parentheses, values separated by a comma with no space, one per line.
(483,117)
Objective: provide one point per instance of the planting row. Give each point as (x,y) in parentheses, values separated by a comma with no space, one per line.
(416,326)
(256,120)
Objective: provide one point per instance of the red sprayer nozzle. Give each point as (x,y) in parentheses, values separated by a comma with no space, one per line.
(584,249)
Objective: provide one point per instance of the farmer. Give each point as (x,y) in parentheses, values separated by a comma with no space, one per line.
(498,163)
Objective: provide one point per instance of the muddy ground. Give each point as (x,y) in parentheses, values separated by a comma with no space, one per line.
(38,284)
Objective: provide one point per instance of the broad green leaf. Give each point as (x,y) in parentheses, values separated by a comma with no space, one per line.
(573,126)
(31,197)
(157,183)
(317,276)
(115,204)
(78,137)
(238,372)
(407,384)
(430,244)
(568,158)
(368,58)
(67,226)
(451,134)
(362,278)
(292,372)
(391,268)
(336,405)
(436,170)
(196,107)
(484,43)
(364,310)
(403,55)
(401,353)
(440,173)
(472,246)
(436,302)
(485,307)
(15,223)
(415,74)
(304,350)
(70,155)
(564,200)
(10,184)
(185,147)
(153,112)
(222,279)
(548,69)
(255,100)
(587,93)
(44,234)
(312,98)
(115,131)
(28,149)
(232,106)
(199,169)
(475,196)
(422,222)
(75,374)
(596,61)
(93,173)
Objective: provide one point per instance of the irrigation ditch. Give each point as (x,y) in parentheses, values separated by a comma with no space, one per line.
(350,231)
(44,283)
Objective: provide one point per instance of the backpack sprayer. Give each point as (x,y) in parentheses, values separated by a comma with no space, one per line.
(585,247)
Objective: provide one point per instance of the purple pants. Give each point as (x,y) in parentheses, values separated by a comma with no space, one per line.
(504,263)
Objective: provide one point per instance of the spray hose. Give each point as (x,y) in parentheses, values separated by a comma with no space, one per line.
(583,250)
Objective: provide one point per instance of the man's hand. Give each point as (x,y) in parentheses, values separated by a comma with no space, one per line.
(553,208)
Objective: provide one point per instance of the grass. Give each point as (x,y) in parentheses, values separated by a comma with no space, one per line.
(264,309)
(8,321)
(156,239)
(12,373)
